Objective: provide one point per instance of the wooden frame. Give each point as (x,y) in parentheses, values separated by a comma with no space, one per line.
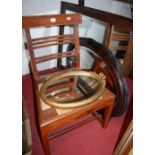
(26,130)
(126,143)
(112,19)
(126,123)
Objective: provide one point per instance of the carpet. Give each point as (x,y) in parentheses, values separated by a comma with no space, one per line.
(89,139)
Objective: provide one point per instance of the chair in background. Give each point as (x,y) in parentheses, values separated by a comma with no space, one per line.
(122,47)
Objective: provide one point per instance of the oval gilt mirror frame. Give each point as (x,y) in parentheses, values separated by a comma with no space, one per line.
(71,73)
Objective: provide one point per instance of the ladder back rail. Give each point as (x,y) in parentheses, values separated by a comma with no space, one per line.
(120,37)
(52,40)
(53,44)
(55,36)
(55,56)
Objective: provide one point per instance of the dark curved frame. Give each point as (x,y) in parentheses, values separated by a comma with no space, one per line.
(114,69)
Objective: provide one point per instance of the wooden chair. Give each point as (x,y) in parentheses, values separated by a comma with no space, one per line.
(50,118)
(124,47)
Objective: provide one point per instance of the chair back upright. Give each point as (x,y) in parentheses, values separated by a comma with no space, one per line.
(47,21)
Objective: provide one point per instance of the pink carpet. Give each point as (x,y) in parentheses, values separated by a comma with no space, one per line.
(89,139)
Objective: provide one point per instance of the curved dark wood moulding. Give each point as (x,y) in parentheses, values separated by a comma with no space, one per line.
(114,69)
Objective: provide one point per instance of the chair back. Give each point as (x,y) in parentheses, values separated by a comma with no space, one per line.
(47,21)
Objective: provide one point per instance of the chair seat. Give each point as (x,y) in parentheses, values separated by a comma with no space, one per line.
(52,114)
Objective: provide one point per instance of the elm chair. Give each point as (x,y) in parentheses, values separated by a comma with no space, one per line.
(49,118)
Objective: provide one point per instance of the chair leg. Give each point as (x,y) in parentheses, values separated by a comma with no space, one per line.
(45,141)
(107,115)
